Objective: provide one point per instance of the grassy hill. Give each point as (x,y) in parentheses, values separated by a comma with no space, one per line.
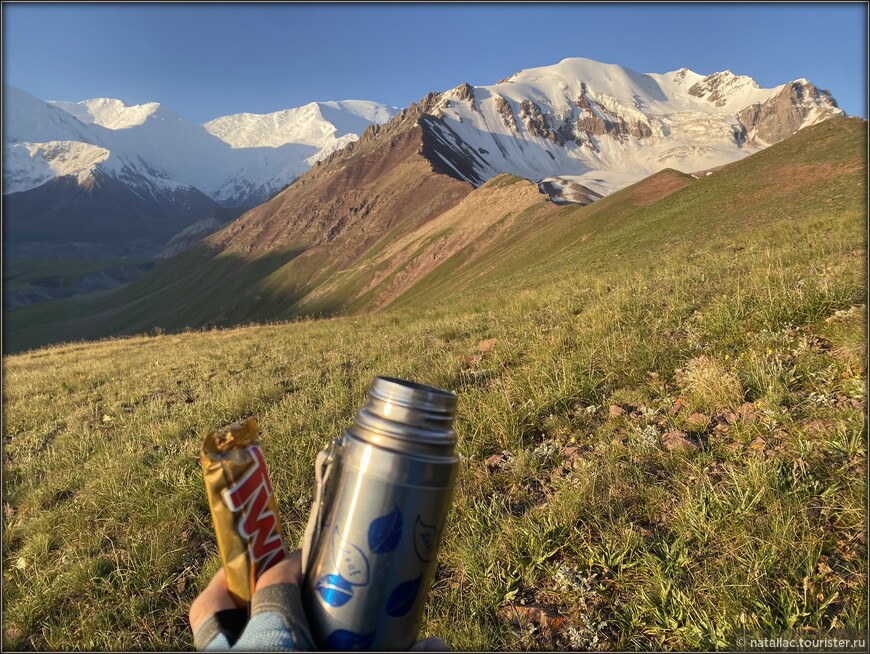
(661,421)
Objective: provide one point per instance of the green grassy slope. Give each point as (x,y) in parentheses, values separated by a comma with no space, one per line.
(660,450)
(524,236)
(817,171)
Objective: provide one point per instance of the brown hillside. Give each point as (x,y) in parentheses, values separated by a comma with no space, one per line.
(471,226)
(340,208)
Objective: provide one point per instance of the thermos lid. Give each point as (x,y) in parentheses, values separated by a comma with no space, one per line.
(411,394)
(407,416)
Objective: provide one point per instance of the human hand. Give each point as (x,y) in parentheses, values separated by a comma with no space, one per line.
(277,621)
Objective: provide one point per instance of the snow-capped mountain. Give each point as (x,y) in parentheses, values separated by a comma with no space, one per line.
(580,129)
(581,126)
(100,172)
(237,160)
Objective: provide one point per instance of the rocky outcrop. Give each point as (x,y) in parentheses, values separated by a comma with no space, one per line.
(598,120)
(717,87)
(465,92)
(534,119)
(505,112)
(785,113)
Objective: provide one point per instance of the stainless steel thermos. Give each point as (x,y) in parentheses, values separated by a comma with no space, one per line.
(382,494)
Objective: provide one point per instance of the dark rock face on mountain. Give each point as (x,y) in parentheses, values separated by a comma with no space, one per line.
(784,114)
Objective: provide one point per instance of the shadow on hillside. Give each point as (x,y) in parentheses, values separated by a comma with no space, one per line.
(200,290)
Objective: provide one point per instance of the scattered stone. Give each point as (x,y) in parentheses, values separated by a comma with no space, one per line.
(678,404)
(546,620)
(698,421)
(633,409)
(758,444)
(721,428)
(747,413)
(616,411)
(14,633)
(490,465)
(730,417)
(571,452)
(486,345)
(678,440)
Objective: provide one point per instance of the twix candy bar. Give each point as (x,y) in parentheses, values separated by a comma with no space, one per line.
(242,505)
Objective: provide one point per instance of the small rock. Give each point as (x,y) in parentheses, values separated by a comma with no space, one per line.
(730,417)
(698,421)
(545,619)
(746,411)
(678,440)
(495,460)
(678,404)
(616,411)
(571,452)
(758,444)
(721,428)
(14,633)
(486,345)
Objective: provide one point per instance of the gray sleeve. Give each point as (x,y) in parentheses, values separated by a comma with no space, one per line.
(210,637)
(278,621)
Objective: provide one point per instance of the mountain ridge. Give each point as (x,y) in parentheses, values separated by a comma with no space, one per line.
(417,258)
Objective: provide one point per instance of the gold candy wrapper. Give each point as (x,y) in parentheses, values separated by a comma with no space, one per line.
(243,509)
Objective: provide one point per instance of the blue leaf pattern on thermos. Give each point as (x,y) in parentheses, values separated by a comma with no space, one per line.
(385,532)
(335,590)
(347,641)
(403,596)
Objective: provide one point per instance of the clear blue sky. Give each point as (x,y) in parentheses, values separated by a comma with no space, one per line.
(208,60)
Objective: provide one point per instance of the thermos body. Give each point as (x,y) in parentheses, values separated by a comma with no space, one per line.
(378,521)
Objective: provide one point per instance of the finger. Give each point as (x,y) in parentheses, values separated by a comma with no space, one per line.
(430,645)
(286,571)
(215,597)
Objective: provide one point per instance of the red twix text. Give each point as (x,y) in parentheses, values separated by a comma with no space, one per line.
(257,524)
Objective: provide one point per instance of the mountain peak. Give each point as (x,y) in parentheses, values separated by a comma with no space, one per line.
(112,113)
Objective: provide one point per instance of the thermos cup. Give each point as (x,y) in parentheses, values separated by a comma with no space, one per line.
(381,498)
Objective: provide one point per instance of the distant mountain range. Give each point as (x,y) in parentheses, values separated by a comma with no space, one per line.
(102,177)
(99,177)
